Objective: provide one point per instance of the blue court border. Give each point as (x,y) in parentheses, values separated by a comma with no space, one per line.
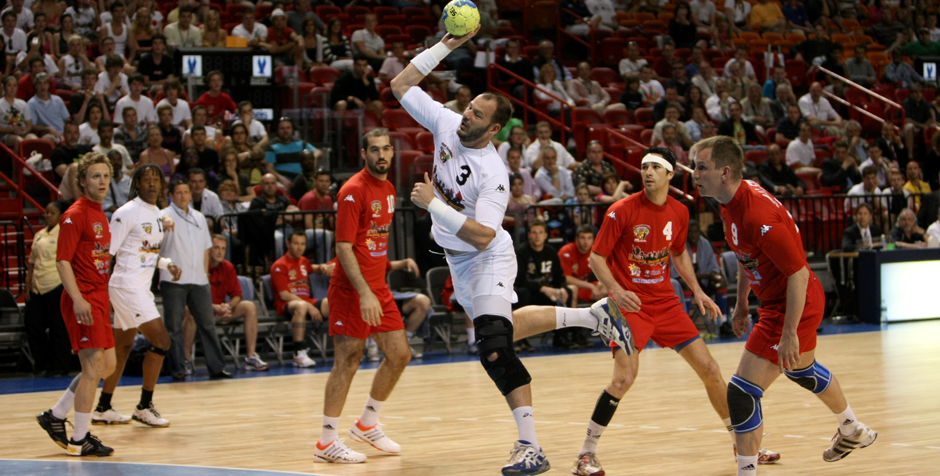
(84,467)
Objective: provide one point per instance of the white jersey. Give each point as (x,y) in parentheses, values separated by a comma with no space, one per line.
(73,70)
(472,181)
(136,236)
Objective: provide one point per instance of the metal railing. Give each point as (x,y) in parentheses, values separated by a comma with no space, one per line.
(527,90)
(19,180)
(13,275)
(563,33)
(853,84)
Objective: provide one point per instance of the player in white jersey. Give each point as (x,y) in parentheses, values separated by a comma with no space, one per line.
(467,198)
(136,236)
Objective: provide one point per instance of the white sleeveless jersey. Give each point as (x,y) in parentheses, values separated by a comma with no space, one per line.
(472,181)
(136,236)
(73,70)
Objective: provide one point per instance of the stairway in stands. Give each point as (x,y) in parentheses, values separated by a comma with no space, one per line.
(14,216)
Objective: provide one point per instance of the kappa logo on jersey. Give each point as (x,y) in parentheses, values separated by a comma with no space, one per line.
(349,198)
(446,154)
(775,347)
(277,270)
(500,188)
(68,221)
(98,229)
(612,215)
(117,220)
(764,229)
(640,232)
(147,227)
(376,208)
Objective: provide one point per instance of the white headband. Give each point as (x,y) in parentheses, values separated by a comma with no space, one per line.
(657,160)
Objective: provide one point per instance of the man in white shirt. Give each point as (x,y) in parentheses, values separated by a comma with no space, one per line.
(112,83)
(717,104)
(817,110)
(368,43)
(683,137)
(740,55)
(255,33)
(146,113)
(394,64)
(204,200)
(24,16)
(256,131)
(120,184)
(869,186)
(72,64)
(552,179)
(800,153)
(182,116)
(461,100)
(705,79)
(604,9)
(183,32)
(703,13)
(630,66)
(14,38)
(651,89)
(106,146)
(533,153)
(882,164)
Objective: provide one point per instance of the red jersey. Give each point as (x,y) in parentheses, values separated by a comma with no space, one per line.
(85,241)
(573,263)
(637,237)
(282,39)
(365,206)
(224,282)
(216,106)
(765,239)
(291,275)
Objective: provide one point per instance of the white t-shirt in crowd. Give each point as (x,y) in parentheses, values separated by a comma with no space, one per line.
(87,135)
(181,111)
(144,107)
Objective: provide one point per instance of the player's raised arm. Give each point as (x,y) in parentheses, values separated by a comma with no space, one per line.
(424,63)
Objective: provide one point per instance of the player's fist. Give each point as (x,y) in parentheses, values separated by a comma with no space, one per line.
(741,319)
(82,311)
(423,192)
(175,271)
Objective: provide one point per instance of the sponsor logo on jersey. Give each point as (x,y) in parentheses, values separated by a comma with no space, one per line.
(451,197)
(377,231)
(750,267)
(764,229)
(446,154)
(376,209)
(647,281)
(147,227)
(640,232)
(68,221)
(292,274)
(99,230)
(370,244)
(500,188)
(349,198)
(652,258)
(634,270)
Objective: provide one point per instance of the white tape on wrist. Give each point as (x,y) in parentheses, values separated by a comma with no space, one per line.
(430,58)
(447,217)
(164,263)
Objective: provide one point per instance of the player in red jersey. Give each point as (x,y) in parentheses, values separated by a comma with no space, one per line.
(575,260)
(362,303)
(770,255)
(631,258)
(290,280)
(83,260)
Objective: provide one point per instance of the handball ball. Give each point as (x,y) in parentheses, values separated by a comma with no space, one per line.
(461,17)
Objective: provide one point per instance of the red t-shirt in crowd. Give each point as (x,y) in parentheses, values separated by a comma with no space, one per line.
(573,263)
(291,275)
(637,237)
(281,39)
(224,282)
(312,202)
(25,89)
(85,241)
(215,106)
(765,239)
(365,206)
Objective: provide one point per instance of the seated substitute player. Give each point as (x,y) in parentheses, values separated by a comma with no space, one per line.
(576,264)
(631,257)
(771,261)
(83,261)
(364,306)
(136,238)
(467,201)
(290,281)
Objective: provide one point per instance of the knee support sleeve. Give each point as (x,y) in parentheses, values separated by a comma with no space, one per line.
(814,378)
(157,350)
(494,337)
(744,405)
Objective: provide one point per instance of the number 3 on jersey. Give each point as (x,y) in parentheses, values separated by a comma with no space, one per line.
(465,174)
(668,231)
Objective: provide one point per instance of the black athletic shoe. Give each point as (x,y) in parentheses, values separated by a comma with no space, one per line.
(90,446)
(54,427)
(223,374)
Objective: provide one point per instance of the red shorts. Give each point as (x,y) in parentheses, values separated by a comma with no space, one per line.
(766,333)
(282,307)
(99,335)
(346,318)
(666,322)
(585,295)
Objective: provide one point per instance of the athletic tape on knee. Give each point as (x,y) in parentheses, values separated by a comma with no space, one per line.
(494,336)
(814,378)
(744,405)
(157,350)
(604,409)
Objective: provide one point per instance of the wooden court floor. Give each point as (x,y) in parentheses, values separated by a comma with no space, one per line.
(449,418)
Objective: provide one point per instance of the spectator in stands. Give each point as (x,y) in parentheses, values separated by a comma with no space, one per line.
(555,181)
(106,48)
(757,108)
(156,154)
(117,28)
(87,94)
(25,88)
(519,201)
(204,200)
(215,101)
(705,265)
(671,97)
(704,14)
(182,116)
(514,157)
(88,130)
(143,105)
(801,155)
(859,69)
(737,83)
(591,171)
(367,43)
(662,67)
(155,66)
(306,179)
(816,49)
(819,113)
(768,17)
(706,80)
(143,31)
(771,85)
(283,154)
(683,137)
(394,63)
(47,112)
(863,233)
(517,64)
(932,25)
(64,157)
(255,32)
(778,177)
(698,55)
(250,156)
(43,295)
(891,144)
(789,127)
(516,139)
(907,234)
(548,88)
(208,157)
(584,90)
(718,104)
(785,99)
(602,8)
(540,280)
(740,57)
(679,79)
(857,145)
(797,17)
(15,121)
(120,184)
(651,89)
(199,119)
(272,203)
(868,187)
(212,33)
(285,44)
(113,83)
(900,72)
(543,141)
(183,33)
(670,141)
(318,198)
(187,247)
(883,164)
(695,125)
(131,134)
(73,64)
(85,17)
(461,100)
(631,65)
(680,27)
(229,170)
(292,296)
(693,98)
(580,20)
(13,37)
(840,170)
(632,99)
(337,51)
(24,16)
(915,184)
(834,64)
(922,47)
(546,56)
(301,12)
(917,115)
(355,89)
(106,145)
(737,11)
(256,131)
(172,138)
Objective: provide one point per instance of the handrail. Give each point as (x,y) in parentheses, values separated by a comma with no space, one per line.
(21,193)
(853,106)
(50,185)
(865,90)
(568,34)
(525,101)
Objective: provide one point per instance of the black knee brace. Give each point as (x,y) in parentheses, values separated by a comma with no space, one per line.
(157,350)
(494,336)
(744,405)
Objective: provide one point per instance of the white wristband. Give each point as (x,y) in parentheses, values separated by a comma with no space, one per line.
(447,217)
(164,263)
(430,58)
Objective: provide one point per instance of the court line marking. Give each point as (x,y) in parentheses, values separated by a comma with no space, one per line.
(901,444)
(934,447)
(615,426)
(505,421)
(719,431)
(208,414)
(467,419)
(282,415)
(794,436)
(86,462)
(575,423)
(431,418)
(245,415)
(649,427)
(686,429)
(389,417)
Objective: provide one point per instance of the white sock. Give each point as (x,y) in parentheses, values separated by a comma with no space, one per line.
(566,317)
(730,428)
(847,421)
(471,335)
(328,433)
(370,414)
(525,421)
(81,426)
(593,435)
(409,335)
(62,408)
(747,465)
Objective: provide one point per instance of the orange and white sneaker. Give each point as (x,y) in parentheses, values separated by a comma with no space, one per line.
(336,452)
(373,436)
(764,456)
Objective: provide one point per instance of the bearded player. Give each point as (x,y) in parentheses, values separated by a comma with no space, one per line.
(770,255)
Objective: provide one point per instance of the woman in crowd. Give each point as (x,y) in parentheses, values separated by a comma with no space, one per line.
(313,44)
(517,140)
(518,202)
(229,172)
(548,84)
(143,31)
(88,130)
(53,352)
(632,98)
(231,203)
(694,97)
(85,16)
(213,36)
(337,52)
(60,40)
(738,14)
(681,28)
(156,154)
(240,141)
(190,160)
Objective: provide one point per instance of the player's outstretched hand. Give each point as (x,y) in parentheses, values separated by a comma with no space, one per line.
(788,352)
(168,224)
(175,271)
(83,312)
(454,42)
(371,309)
(423,192)
(740,319)
(627,300)
(706,306)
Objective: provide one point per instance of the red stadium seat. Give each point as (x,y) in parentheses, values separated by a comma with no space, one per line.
(646,137)
(324,10)
(395,119)
(618,116)
(400,140)
(400,21)
(426,142)
(383,11)
(644,116)
(811,182)
(386,30)
(318,97)
(43,146)
(821,155)
(388,99)
(756,156)
(353,10)
(418,32)
(610,52)
(604,76)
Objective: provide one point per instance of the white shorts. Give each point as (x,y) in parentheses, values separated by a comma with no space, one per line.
(481,274)
(132,307)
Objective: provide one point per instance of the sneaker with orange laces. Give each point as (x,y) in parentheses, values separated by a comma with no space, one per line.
(374,436)
(336,452)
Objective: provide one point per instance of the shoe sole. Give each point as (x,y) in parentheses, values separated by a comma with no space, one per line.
(613,309)
(318,459)
(149,424)
(80,455)
(109,422)
(521,473)
(357,439)
(843,455)
(64,446)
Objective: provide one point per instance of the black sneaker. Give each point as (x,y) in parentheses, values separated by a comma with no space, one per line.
(90,446)
(54,427)
(560,341)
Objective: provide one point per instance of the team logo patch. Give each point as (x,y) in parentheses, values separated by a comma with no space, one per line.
(574,269)
(292,274)
(764,229)
(634,270)
(147,227)
(370,244)
(640,232)
(98,229)
(376,208)
(445,153)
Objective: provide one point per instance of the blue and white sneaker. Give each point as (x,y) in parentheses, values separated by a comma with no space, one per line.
(526,459)
(612,326)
